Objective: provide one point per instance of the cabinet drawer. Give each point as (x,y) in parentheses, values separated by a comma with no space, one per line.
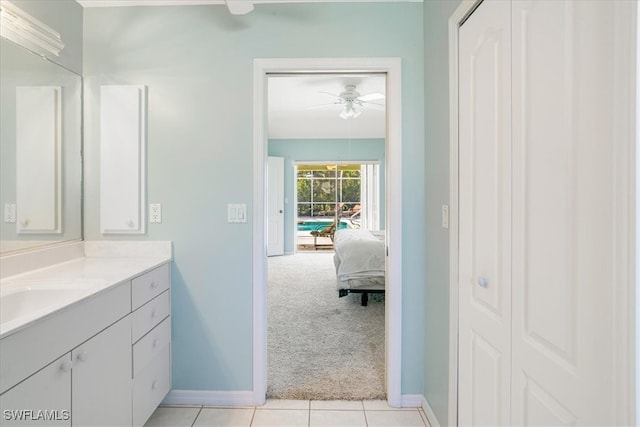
(151,386)
(149,285)
(150,346)
(149,315)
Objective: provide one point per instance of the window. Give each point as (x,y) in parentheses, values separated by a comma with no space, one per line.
(351,189)
(324,188)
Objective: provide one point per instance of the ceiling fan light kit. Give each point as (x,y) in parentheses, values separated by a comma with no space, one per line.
(349,111)
(351,99)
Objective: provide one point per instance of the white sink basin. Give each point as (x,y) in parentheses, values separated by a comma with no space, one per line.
(23,301)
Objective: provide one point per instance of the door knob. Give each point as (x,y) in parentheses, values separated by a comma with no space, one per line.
(483,282)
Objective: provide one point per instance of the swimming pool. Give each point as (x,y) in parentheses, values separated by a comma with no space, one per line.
(318,225)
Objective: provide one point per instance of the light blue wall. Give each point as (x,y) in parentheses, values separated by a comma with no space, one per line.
(436,123)
(321,150)
(197,62)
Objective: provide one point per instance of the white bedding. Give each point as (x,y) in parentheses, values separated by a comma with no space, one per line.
(359,255)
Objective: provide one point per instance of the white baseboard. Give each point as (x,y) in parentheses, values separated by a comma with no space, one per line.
(210,398)
(431,416)
(411,400)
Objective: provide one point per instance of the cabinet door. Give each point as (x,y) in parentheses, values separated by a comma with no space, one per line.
(122,159)
(42,399)
(102,378)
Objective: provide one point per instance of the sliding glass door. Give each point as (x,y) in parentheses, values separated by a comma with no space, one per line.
(350,192)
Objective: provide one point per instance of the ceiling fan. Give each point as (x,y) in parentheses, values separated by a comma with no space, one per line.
(352,100)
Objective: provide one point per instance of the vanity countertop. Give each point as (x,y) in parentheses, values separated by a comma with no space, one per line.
(33,296)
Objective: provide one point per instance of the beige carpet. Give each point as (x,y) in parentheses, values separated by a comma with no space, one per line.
(320,346)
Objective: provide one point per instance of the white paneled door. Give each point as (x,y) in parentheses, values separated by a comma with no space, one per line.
(540,194)
(485,218)
(275,206)
(564,202)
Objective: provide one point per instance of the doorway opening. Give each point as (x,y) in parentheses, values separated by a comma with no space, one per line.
(310,323)
(393,308)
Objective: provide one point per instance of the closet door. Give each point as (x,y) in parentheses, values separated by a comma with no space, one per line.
(485,216)
(563,213)
(275,206)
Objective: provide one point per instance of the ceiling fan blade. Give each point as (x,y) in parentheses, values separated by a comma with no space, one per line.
(334,95)
(371,97)
(322,106)
(374,105)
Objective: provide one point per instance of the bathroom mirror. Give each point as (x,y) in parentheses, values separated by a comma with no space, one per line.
(40,151)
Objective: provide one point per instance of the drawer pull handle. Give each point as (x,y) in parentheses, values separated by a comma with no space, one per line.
(154,385)
(153,313)
(83,356)
(156,342)
(153,284)
(66,366)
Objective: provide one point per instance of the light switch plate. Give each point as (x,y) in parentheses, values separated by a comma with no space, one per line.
(155,212)
(236,213)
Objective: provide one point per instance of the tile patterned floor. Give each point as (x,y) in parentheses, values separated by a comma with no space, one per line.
(291,413)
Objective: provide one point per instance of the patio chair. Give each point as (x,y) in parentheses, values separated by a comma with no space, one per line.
(327,231)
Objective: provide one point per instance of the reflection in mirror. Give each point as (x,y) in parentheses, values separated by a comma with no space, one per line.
(40,150)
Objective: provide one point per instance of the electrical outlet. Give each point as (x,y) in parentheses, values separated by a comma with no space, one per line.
(445,216)
(155,212)
(10,212)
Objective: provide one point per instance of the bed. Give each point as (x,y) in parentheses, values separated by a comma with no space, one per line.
(360,262)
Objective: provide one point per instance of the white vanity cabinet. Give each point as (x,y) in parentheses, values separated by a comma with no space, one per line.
(88,386)
(116,363)
(151,341)
(36,380)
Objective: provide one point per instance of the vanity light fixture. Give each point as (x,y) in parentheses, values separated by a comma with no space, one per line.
(239,7)
(21,28)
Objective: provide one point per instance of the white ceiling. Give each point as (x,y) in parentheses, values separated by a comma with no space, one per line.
(290,98)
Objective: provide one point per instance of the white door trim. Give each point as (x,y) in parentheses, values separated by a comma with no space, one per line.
(626,95)
(393,300)
(625,224)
